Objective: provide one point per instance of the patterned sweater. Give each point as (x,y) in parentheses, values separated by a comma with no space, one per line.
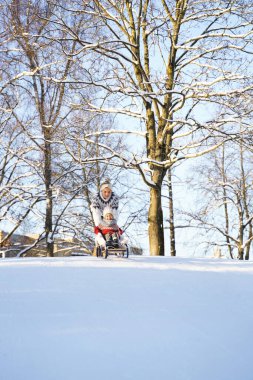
(99,203)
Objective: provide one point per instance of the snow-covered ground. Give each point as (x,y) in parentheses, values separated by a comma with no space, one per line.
(143,318)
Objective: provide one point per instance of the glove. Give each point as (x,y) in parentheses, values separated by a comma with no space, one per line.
(123,240)
(100,240)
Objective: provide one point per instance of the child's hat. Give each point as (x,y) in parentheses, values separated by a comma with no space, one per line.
(107,210)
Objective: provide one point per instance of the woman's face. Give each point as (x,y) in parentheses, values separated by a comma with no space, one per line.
(106,192)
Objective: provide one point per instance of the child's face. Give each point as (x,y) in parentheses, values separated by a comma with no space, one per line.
(108,216)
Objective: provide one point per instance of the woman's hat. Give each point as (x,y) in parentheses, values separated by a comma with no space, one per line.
(106,184)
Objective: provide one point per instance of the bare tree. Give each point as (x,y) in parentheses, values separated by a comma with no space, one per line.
(225,210)
(166,62)
(16,179)
(89,165)
(60,167)
(41,107)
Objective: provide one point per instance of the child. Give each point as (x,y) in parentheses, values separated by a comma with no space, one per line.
(109,228)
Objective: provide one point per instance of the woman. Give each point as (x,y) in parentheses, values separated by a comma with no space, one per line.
(104,198)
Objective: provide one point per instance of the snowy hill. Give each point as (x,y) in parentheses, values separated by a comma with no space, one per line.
(143,318)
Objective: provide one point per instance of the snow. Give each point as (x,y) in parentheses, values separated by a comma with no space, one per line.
(140,318)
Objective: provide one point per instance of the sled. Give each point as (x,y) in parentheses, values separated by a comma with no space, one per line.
(121,251)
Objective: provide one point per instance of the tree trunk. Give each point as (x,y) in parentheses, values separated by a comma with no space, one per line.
(249,244)
(240,237)
(240,253)
(155,223)
(245,201)
(171,212)
(49,200)
(225,198)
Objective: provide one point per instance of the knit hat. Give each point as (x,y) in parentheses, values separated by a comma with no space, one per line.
(106,184)
(107,210)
